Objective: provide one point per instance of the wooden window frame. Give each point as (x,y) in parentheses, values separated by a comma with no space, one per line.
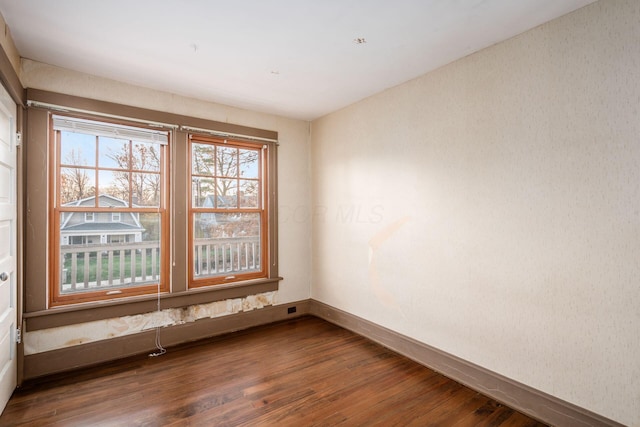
(56,297)
(261,209)
(38,312)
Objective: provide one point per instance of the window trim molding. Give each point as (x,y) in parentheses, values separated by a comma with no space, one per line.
(263,210)
(124,112)
(37,310)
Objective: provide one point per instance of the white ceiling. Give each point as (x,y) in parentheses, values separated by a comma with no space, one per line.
(295,58)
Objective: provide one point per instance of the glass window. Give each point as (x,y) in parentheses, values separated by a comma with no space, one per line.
(228,226)
(110,215)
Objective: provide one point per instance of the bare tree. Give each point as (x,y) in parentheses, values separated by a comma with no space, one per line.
(75,183)
(141,173)
(229,176)
(227,164)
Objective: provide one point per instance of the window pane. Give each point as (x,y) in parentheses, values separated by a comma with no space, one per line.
(145,157)
(76,184)
(249,193)
(77,149)
(203,159)
(227,193)
(104,255)
(117,248)
(226,161)
(151,224)
(226,243)
(146,189)
(113,188)
(248,163)
(203,192)
(114,153)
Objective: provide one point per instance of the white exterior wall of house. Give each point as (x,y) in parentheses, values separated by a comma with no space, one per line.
(130,229)
(102,238)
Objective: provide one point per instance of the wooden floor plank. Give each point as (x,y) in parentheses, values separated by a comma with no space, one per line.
(302,372)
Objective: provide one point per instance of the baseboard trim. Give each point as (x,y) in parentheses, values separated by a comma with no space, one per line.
(532,402)
(94,353)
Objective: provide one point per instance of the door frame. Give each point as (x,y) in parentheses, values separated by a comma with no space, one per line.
(11,82)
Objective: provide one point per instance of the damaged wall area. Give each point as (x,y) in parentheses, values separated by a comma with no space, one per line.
(68,336)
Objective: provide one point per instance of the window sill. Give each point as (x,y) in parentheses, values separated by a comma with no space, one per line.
(89,312)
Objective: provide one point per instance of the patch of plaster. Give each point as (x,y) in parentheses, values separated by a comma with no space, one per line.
(76,341)
(72,335)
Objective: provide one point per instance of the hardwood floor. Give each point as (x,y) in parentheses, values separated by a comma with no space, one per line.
(302,372)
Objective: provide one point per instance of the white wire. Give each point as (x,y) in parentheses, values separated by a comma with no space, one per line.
(161,350)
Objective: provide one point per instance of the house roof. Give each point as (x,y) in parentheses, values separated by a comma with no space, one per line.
(107,227)
(222,201)
(110,201)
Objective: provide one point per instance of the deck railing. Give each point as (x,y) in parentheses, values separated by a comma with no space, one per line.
(98,266)
(215,257)
(116,265)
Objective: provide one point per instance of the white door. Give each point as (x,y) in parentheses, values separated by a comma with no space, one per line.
(8,229)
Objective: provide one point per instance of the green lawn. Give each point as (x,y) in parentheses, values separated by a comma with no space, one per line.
(104,264)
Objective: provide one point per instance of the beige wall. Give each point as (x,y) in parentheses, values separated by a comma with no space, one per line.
(491,208)
(293,184)
(6,42)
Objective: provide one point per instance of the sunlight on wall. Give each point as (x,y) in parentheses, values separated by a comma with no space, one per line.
(505,188)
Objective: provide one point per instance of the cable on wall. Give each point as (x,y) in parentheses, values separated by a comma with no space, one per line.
(160,349)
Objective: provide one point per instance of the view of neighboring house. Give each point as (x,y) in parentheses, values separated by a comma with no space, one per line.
(79,228)
(220,202)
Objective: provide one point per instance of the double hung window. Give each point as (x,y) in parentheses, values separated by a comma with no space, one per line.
(154,203)
(228,217)
(109,210)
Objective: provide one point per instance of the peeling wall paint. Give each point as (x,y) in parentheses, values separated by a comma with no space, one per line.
(69,336)
(294,231)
